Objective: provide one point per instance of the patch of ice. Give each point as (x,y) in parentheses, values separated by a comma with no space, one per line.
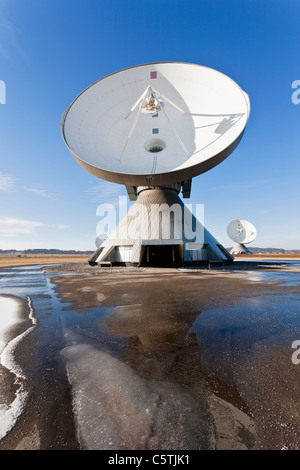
(9,316)
(114,408)
(9,412)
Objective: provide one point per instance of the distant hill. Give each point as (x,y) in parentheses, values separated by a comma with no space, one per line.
(55,251)
(270,250)
(44,251)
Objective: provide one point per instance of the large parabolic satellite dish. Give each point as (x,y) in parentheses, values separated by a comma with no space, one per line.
(155,125)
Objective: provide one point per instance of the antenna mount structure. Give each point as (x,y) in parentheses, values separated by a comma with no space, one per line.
(241,232)
(153,128)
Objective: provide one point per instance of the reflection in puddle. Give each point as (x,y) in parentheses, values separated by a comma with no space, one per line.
(169,370)
(281,272)
(284,278)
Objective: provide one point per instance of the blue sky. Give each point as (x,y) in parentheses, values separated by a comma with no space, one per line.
(50,51)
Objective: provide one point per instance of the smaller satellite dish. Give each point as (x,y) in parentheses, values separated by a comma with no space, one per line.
(241,232)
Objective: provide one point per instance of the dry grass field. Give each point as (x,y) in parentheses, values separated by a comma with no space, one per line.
(10,261)
(29,260)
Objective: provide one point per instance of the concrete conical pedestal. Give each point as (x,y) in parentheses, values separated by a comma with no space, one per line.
(159,230)
(240,249)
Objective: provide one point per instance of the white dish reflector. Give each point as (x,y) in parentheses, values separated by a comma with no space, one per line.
(196,113)
(241,231)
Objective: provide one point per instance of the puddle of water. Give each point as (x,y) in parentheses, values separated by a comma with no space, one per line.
(9,316)
(272,318)
(286,278)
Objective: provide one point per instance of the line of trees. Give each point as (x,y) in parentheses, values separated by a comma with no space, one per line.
(52,251)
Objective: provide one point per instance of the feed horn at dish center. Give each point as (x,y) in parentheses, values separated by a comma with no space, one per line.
(153,128)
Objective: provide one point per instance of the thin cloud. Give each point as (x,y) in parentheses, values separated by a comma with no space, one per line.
(7,183)
(9,36)
(12,227)
(239,186)
(41,192)
(62,226)
(105,192)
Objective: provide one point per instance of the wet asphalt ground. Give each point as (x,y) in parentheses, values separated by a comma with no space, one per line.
(133,359)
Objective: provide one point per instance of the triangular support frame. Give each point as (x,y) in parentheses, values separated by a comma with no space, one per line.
(142,101)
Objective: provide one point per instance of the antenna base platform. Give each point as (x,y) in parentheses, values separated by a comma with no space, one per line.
(159,230)
(240,249)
